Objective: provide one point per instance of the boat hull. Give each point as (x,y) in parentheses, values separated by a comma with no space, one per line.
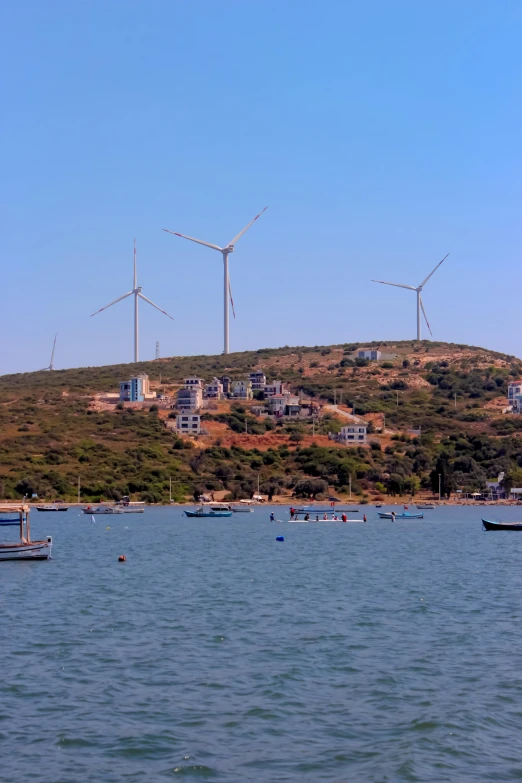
(211,514)
(490,525)
(61,508)
(401,516)
(112,511)
(36,550)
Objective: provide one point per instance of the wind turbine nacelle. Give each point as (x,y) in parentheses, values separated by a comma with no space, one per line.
(229,249)
(137,290)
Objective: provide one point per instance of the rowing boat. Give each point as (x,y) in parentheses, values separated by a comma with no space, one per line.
(490,525)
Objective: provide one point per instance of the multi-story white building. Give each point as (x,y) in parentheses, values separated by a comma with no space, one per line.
(214,390)
(242,390)
(188,423)
(280,404)
(353,433)
(274,387)
(194,383)
(258,380)
(189,399)
(515,395)
(136,389)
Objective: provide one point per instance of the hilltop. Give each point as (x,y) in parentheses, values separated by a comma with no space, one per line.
(52,430)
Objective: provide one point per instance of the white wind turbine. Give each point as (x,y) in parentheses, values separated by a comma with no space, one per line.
(227,290)
(51,365)
(136,291)
(418,289)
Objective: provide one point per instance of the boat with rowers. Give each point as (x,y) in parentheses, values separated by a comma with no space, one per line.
(25,548)
(211,510)
(402,515)
(491,525)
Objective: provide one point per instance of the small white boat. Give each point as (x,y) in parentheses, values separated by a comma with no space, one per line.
(24,549)
(242,509)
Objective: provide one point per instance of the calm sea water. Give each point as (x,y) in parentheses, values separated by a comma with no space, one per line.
(377,652)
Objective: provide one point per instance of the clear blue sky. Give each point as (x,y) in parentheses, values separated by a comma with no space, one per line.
(381,134)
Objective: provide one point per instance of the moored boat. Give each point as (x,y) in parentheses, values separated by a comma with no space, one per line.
(97,510)
(52,507)
(402,515)
(426,506)
(490,525)
(212,510)
(24,549)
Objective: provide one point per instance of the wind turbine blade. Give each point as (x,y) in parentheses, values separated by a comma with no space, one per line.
(112,303)
(424,313)
(141,296)
(233,241)
(432,273)
(199,241)
(231,300)
(397,285)
(54,346)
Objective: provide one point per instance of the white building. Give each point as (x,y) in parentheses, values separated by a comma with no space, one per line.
(515,395)
(188,423)
(353,433)
(214,390)
(242,390)
(136,389)
(373,356)
(258,380)
(189,399)
(279,404)
(274,387)
(194,383)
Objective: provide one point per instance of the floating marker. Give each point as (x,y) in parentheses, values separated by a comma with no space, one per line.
(122,559)
(280,538)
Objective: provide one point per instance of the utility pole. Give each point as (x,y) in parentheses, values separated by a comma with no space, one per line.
(455,399)
(340,396)
(335,396)
(170,489)
(439,485)
(397,398)
(350,486)
(78,489)
(383,422)
(157,350)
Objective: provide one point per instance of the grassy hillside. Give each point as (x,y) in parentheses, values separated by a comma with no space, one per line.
(49,434)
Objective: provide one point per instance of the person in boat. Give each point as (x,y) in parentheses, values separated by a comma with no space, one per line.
(272,517)
(307,517)
(364,517)
(317,517)
(325,516)
(344,517)
(335,518)
(292,512)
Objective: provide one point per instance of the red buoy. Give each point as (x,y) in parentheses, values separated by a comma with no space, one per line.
(122,559)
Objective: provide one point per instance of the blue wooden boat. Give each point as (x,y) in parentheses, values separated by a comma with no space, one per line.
(7,522)
(490,525)
(402,515)
(210,511)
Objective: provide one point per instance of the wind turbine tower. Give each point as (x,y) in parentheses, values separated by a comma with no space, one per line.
(418,289)
(136,292)
(51,365)
(227,290)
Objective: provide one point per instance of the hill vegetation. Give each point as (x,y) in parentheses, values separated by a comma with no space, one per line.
(50,433)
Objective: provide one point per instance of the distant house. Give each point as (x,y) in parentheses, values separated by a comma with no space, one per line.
(242,390)
(279,404)
(188,423)
(258,380)
(189,399)
(194,383)
(135,389)
(515,396)
(495,488)
(274,387)
(214,390)
(353,433)
(227,384)
(373,356)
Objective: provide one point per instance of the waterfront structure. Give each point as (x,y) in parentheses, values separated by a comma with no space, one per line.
(136,389)
(188,423)
(418,290)
(213,390)
(242,390)
(515,395)
(373,356)
(258,380)
(227,290)
(136,292)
